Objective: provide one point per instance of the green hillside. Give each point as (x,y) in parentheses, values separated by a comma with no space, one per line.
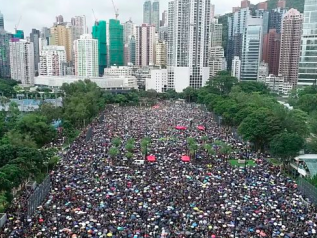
(297,4)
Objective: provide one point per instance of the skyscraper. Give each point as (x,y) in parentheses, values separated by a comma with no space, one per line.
(1,22)
(290,46)
(164,19)
(86,56)
(128,31)
(79,26)
(22,61)
(5,38)
(132,50)
(217,60)
(216,34)
(236,67)
(19,34)
(236,28)
(35,38)
(155,15)
(59,19)
(99,32)
(145,45)
(116,45)
(252,49)
(62,35)
(276,18)
(189,24)
(52,59)
(161,54)
(271,50)
(147,10)
(308,56)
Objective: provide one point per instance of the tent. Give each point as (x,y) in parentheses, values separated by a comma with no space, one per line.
(180,128)
(151,158)
(201,128)
(185,158)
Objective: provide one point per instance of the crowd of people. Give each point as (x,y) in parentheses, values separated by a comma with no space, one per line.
(96,195)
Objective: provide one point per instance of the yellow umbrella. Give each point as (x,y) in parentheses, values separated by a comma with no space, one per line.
(109,234)
(196,208)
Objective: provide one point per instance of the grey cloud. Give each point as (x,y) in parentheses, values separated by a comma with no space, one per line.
(42,13)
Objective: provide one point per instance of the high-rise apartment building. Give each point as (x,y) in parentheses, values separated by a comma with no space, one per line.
(281,4)
(128,31)
(145,45)
(252,49)
(164,19)
(1,22)
(291,45)
(189,24)
(35,38)
(217,60)
(155,15)
(116,45)
(161,54)
(151,13)
(236,28)
(52,61)
(5,39)
(147,10)
(216,34)
(86,56)
(99,32)
(62,35)
(44,37)
(132,50)
(308,55)
(236,67)
(271,50)
(263,71)
(59,19)
(276,18)
(79,26)
(22,61)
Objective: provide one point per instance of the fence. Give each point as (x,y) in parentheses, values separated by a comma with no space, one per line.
(39,195)
(308,190)
(3,219)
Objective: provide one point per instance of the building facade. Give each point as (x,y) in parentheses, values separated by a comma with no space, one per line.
(236,67)
(79,26)
(35,38)
(271,50)
(216,34)
(116,45)
(52,61)
(157,81)
(217,60)
(145,45)
(22,61)
(308,55)
(147,10)
(1,22)
(252,49)
(291,46)
(5,39)
(161,54)
(263,71)
(189,24)
(62,35)
(99,32)
(132,56)
(155,15)
(86,56)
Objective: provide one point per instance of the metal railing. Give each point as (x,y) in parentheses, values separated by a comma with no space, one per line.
(38,195)
(308,190)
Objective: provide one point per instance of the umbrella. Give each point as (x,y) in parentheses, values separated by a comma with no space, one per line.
(185,158)
(201,128)
(151,158)
(180,128)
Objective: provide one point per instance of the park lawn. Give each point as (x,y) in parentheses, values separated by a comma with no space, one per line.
(250,163)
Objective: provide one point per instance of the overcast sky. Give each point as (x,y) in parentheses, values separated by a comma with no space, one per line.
(40,13)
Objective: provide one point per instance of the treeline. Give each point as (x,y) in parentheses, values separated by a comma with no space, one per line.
(256,113)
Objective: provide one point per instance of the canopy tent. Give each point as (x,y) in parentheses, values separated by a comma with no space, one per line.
(201,128)
(151,158)
(180,128)
(185,158)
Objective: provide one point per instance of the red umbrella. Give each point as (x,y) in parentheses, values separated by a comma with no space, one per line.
(151,158)
(180,127)
(156,107)
(185,158)
(201,128)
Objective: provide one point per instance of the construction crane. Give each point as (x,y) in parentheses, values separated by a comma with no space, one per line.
(116,10)
(93,12)
(17,25)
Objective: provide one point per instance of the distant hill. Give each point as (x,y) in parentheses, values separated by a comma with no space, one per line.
(297,4)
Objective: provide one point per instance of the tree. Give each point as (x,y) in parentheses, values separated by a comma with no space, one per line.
(129,147)
(260,127)
(251,87)
(50,112)
(113,152)
(36,127)
(16,138)
(286,146)
(190,94)
(307,102)
(222,82)
(116,141)
(296,122)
